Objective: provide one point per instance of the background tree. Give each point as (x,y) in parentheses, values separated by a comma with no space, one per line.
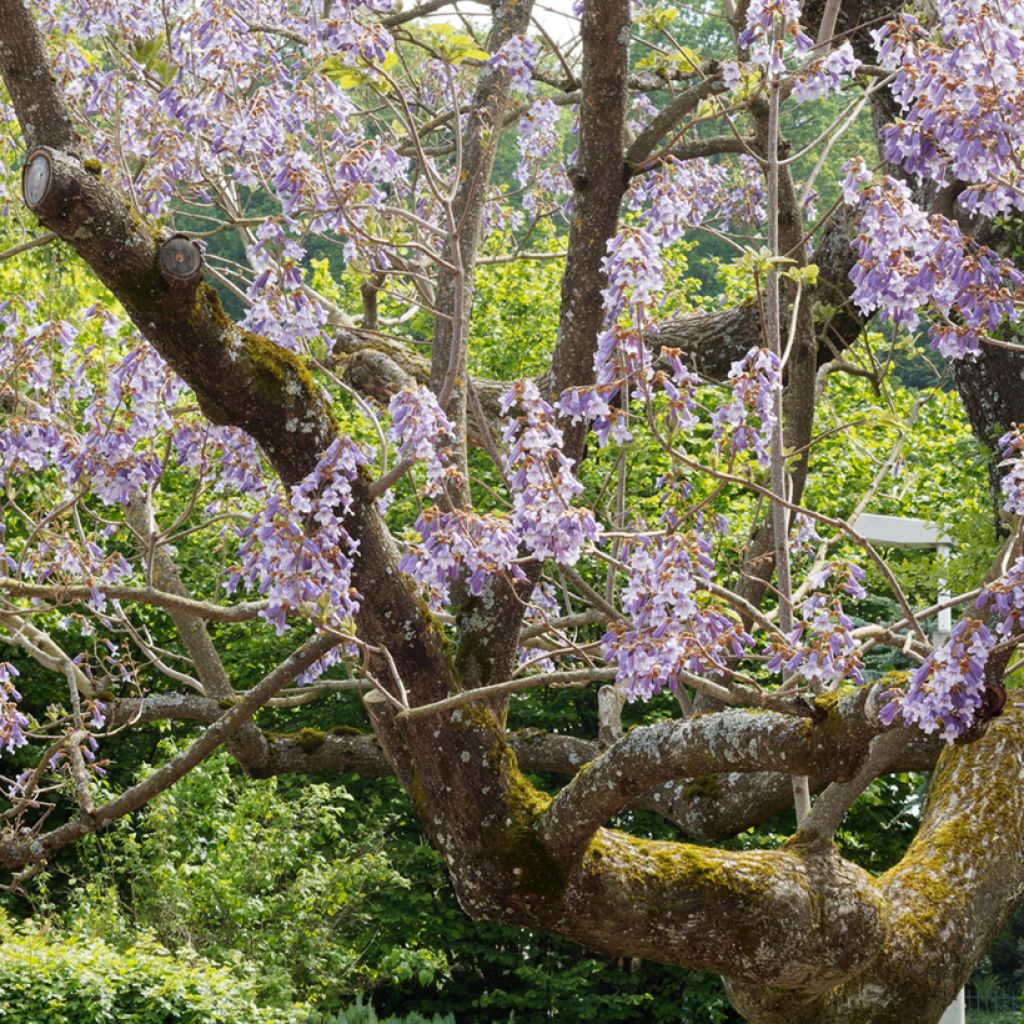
(153,464)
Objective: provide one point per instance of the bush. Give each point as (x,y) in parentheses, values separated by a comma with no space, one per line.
(364,1013)
(45,979)
(241,871)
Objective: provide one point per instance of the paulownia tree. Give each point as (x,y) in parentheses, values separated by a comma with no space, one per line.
(152,133)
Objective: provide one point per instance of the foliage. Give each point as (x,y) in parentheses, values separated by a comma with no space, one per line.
(284,880)
(77,979)
(364,1013)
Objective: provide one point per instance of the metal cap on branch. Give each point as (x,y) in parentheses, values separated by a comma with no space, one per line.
(181,261)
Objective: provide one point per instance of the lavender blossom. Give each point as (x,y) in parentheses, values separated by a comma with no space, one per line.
(746,420)
(946,692)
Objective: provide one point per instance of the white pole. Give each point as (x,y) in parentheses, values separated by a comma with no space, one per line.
(903,532)
(955,1012)
(944,620)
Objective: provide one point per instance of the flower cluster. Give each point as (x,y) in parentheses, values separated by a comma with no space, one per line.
(948,689)
(634,270)
(459,544)
(543,607)
(827,75)
(820,648)
(745,421)
(541,480)
(419,428)
(227,453)
(296,551)
(543,178)
(962,95)
(680,195)
(519,57)
(12,722)
(909,262)
(1005,599)
(845,576)
(670,631)
(679,384)
(1011,446)
(762,27)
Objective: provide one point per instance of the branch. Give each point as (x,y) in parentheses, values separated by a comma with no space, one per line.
(150,596)
(38,102)
(729,741)
(16,852)
(33,243)
(670,115)
(831,807)
(599,183)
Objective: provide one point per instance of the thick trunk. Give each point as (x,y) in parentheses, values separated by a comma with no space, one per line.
(946,900)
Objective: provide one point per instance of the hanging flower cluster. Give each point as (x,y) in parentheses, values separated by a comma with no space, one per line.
(670,630)
(518,56)
(946,692)
(909,262)
(745,421)
(12,722)
(419,427)
(826,76)
(459,544)
(296,551)
(769,24)
(541,480)
(1011,445)
(961,90)
(820,649)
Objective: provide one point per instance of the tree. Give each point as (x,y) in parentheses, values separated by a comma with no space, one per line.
(154,466)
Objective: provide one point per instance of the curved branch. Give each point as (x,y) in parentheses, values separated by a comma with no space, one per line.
(729,741)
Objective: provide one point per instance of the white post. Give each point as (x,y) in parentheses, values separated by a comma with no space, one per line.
(955,1012)
(944,620)
(916,533)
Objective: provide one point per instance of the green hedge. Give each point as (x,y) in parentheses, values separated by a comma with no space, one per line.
(364,1013)
(45,979)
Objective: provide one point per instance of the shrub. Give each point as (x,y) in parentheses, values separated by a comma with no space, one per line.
(47,979)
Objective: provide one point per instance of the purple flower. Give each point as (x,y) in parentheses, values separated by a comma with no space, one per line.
(12,722)
(820,649)
(826,76)
(945,693)
(420,427)
(910,262)
(297,553)
(745,421)
(542,482)
(668,629)
(518,56)
(1011,445)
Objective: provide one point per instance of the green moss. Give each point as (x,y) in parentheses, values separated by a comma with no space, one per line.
(418,795)
(678,867)
(346,730)
(930,872)
(92,165)
(279,374)
(207,301)
(703,786)
(515,842)
(309,739)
